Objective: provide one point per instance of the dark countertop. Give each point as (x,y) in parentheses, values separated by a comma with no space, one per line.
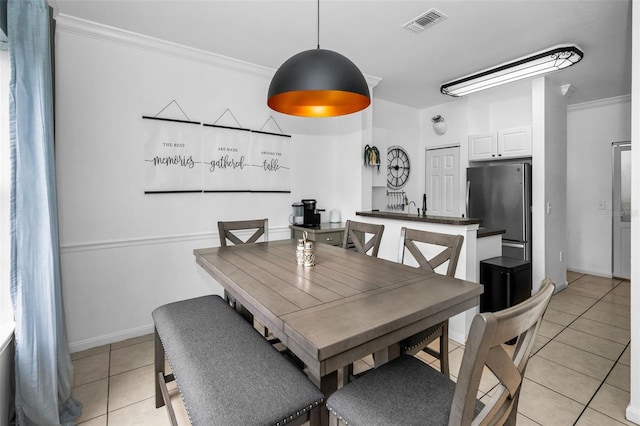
(323,227)
(488,232)
(445,220)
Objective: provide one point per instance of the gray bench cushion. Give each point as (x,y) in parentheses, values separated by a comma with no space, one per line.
(404,391)
(227,372)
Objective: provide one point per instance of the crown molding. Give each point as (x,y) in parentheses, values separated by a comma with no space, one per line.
(600,103)
(82,27)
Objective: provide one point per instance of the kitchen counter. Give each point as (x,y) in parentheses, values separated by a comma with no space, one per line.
(444,220)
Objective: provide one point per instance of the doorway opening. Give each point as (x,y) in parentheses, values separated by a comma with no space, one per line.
(621,210)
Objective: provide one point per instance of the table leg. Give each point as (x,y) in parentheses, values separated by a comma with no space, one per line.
(385,355)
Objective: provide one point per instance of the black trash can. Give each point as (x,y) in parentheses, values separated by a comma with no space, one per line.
(507,282)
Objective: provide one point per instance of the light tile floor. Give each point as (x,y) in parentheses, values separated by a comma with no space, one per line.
(577,375)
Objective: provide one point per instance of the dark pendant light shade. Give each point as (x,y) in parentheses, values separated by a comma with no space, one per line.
(318,83)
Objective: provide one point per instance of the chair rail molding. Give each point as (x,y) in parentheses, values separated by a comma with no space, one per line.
(276,233)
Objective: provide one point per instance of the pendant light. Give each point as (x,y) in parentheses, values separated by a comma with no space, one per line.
(318,83)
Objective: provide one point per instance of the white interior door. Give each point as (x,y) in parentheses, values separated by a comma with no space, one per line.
(442,181)
(621,211)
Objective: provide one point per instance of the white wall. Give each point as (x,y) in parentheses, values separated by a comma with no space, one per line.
(591,129)
(123,252)
(555,186)
(633,410)
(456,115)
(396,124)
(503,107)
(6,382)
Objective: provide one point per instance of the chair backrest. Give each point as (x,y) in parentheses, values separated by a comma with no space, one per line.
(353,231)
(225,230)
(486,346)
(452,245)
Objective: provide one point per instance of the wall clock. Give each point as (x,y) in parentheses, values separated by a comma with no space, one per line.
(398,167)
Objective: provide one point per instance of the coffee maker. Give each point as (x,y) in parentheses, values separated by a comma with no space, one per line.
(311,214)
(297,217)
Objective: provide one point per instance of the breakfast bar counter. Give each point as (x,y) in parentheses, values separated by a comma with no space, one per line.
(444,220)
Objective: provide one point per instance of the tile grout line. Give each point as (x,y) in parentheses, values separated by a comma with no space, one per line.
(563,329)
(557,334)
(599,387)
(108,386)
(580,316)
(612,367)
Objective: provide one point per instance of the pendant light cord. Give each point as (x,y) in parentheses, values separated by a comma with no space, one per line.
(318,24)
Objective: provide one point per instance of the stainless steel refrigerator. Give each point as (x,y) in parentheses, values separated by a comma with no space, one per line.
(500,196)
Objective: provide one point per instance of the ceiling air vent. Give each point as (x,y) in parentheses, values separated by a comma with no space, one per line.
(425,20)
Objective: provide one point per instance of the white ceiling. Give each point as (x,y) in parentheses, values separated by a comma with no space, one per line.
(477,35)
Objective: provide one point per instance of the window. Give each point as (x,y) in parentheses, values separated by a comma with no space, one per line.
(6,310)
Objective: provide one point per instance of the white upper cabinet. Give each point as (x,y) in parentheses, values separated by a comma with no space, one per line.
(483,147)
(514,142)
(505,143)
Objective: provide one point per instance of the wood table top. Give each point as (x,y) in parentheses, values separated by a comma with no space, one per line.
(346,301)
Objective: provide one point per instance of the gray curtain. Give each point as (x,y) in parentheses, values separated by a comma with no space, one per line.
(43,368)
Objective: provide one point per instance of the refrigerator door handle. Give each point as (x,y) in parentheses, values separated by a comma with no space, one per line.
(467,197)
(525,213)
(512,245)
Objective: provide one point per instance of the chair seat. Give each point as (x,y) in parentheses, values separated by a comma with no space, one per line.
(404,391)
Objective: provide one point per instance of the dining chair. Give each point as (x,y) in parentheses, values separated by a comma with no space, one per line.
(225,229)
(356,233)
(411,240)
(408,391)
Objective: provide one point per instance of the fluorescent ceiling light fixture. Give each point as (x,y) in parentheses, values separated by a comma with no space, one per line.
(554,59)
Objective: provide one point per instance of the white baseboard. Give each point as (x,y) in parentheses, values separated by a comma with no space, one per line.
(106,339)
(606,274)
(561,286)
(457,337)
(633,414)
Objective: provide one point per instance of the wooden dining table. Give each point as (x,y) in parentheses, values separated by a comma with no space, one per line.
(347,306)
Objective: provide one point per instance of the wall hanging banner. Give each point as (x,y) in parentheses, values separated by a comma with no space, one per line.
(187,156)
(225,157)
(172,155)
(270,162)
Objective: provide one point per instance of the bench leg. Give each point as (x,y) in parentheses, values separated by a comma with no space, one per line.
(162,393)
(159,370)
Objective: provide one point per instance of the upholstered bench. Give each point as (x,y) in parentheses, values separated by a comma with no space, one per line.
(227,373)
